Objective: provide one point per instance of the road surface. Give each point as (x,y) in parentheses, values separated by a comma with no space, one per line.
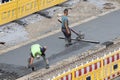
(102,29)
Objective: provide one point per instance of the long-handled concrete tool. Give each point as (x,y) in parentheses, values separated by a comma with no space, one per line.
(78,39)
(80,36)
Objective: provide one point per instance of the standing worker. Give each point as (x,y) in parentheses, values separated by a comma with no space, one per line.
(37,51)
(65,28)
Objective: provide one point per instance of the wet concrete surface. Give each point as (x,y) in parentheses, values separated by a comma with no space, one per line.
(102,29)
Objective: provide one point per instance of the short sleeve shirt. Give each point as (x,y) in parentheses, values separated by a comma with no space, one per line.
(64,19)
(36,48)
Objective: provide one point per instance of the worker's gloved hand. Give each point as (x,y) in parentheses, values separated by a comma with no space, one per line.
(32,67)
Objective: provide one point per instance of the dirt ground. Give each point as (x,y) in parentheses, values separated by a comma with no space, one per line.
(78,11)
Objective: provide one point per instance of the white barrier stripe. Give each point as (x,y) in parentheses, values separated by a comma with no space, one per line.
(82,70)
(77,73)
(119,55)
(88,69)
(105,61)
(111,76)
(116,75)
(106,78)
(115,57)
(70,77)
(98,65)
(110,59)
(64,78)
(93,67)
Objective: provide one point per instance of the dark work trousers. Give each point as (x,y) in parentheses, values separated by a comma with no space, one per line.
(67,36)
(45,59)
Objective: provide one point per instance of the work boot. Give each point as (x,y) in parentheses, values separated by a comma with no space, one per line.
(66,42)
(47,66)
(66,45)
(33,69)
(69,41)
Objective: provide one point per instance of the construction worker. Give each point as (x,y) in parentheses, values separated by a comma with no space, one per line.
(65,27)
(37,51)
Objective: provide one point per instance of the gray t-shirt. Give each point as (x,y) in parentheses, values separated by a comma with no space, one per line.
(64,19)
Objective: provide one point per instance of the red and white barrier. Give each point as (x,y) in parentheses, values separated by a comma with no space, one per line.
(111,59)
(87,69)
(112,76)
(67,77)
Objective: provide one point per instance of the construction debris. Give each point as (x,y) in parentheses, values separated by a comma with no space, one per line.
(2,43)
(109,6)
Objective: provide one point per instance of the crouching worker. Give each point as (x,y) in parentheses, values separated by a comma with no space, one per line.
(37,51)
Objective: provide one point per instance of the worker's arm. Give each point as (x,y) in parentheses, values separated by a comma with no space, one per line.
(67,28)
(30,62)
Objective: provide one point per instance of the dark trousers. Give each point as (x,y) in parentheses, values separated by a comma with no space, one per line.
(67,36)
(44,58)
